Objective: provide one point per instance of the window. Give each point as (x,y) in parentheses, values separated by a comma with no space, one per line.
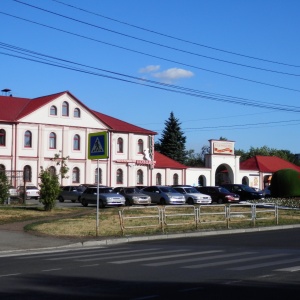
(52,140)
(120,145)
(139,177)
(75,175)
(76,142)
(65,108)
(2,168)
(76,113)
(158,179)
(53,110)
(27,174)
(119,176)
(27,139)
(96,176)
(140,146)
(2,137)
(175,179)
(52,171)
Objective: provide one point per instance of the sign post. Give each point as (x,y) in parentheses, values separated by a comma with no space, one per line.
(98,149)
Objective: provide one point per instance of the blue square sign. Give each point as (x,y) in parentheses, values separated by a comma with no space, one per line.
(98,145)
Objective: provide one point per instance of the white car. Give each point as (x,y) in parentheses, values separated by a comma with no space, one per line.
(193,196)
(32,192)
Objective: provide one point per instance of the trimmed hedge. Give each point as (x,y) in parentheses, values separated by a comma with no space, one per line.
(285,183)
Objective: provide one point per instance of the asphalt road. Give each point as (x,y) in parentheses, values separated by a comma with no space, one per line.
(256,265)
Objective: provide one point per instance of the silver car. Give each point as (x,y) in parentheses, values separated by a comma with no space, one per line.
(133,195)
(193,196)
(106,197)
(31,192)
(163,195)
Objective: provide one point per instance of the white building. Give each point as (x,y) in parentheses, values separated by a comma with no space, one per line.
(33,131)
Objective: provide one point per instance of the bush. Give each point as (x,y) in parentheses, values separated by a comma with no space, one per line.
(285,183)
(4,187)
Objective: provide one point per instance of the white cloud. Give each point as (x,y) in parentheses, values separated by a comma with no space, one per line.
(149,69)
(173,74)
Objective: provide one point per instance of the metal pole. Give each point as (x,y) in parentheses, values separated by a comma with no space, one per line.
(97,213)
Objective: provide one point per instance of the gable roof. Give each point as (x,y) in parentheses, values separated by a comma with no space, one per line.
(121,126)
(162,161)
(267,164)
(14,108)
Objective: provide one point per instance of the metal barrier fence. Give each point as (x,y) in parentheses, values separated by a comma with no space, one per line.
(161,217)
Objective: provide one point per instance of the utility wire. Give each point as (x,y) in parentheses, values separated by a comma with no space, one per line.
(195,67)
(154,43)
(176,38)
(62,63)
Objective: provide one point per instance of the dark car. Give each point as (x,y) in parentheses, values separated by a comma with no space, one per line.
(133,196)
(219,194)
(71,192)
(244,191)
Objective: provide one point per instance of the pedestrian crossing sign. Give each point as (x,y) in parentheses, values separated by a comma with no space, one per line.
(98,145)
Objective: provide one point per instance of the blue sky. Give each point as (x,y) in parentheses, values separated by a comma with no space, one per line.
(224,68)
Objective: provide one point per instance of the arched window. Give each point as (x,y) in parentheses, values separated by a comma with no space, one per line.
(2,137)
(76,142)
(53,110)
(158,179)
(52,171)
(52,140)
(140,146)
(76,113)
(120,145)
(27,139)
(75,175)
(139,177)
(119,176)
(27,174)
(65,109)
(2,168)
(100,176)
(175,179)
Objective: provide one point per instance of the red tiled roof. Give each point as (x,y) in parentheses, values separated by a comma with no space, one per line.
(267,164)
(163,161)
(14,108)
(121,126)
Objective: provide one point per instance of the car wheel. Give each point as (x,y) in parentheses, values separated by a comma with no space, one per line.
(101,204)
(220,201)
(79,199)
(73,201)
(61,199)
(190,201)
(84,202)
(162,201)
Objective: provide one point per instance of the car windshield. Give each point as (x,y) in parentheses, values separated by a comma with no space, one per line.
(31,187)
(105,190)
(168,189)
(191,190)
(247,188)
(132,191)
(223,190)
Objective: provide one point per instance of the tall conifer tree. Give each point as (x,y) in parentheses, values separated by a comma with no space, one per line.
(172,141)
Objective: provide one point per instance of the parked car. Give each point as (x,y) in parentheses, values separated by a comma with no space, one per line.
(219,194)
(244,191)
(13,192)
(106,197)
(71,192)
(31,192)
(192,195)
(161,194)
(133,195)
(267,191)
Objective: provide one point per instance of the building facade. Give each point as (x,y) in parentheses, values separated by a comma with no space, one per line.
(34,131)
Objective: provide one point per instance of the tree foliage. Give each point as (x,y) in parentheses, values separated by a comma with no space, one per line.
(4,187)
(172,142)
(49,186)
